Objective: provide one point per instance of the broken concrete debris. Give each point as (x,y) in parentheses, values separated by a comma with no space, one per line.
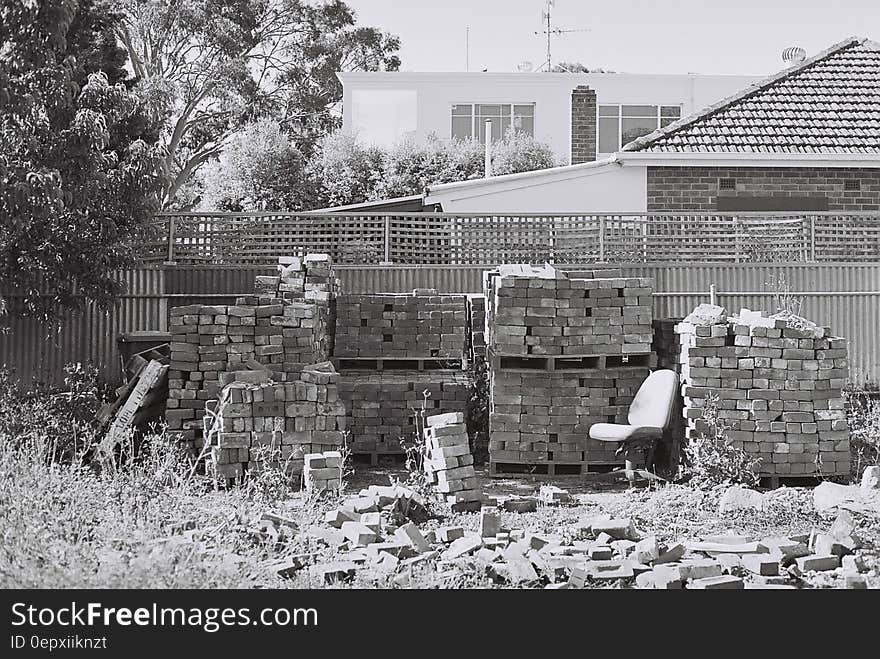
(552,495)
(381,542)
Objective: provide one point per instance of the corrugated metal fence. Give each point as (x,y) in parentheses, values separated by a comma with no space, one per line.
(845,297)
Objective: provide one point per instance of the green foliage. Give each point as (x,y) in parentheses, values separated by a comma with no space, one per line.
(260,169)
(863,414)
(61,423)
(352,172)
(212,66)
(477,411)
(713,459)
(271,481)
(576,67)
(78,178)
(520,152)
(410,166)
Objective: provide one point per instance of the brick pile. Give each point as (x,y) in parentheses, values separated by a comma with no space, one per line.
(665,344)
(383,405)
(420,325)
(322,472)
(448,461)
(286,324)
(565,354)
(476,305)
(779,382)
(543,312)
(383,532)
(392,351)
(260,420)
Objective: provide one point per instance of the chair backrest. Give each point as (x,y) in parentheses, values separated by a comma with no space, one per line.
(655,399)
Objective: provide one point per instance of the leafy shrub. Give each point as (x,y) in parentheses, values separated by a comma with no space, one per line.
(260,169)
(713,459)
(477,412)
(863,413)
(352,172)
(61,421)
(520,152)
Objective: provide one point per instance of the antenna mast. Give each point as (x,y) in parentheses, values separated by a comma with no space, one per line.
(547,17)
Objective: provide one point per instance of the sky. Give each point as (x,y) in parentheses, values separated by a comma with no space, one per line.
(633,36)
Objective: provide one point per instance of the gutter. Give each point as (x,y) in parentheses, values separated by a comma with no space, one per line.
(749,159)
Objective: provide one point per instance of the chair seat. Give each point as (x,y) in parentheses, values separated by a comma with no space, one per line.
(619,432)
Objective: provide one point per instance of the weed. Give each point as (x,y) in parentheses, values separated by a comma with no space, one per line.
(271,479)
(477,411)
(714,460)
(863,413)
(783,300)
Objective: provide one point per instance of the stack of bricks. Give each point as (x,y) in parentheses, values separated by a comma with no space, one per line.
(778,381)
(421,325)
(565,354)
(543,312)
(476,305)
(259,420)
(449,464)
(393,351)
(322,472)
(384,405)
(665,344)
(286,324)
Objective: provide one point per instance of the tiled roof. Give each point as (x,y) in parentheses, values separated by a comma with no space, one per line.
(830,103)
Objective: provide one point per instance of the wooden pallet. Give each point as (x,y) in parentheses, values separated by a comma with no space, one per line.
(354,364)
(374,457)
(571,363)
(796,480)
(550,469)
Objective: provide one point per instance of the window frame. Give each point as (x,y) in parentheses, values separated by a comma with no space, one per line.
(620,117)
(475,131)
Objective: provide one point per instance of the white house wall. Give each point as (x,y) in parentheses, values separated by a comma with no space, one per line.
(608,189)
(384,107)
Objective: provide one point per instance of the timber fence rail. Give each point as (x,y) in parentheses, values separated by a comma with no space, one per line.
(469,239)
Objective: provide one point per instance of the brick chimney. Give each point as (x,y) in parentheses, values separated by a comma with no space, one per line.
(583,124)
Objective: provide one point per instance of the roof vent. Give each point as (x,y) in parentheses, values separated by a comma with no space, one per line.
(794,55)
(524,67)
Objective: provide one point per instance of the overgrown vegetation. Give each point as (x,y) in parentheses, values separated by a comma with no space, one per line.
(156,522)
(863,413)
(713,459)
(61,422)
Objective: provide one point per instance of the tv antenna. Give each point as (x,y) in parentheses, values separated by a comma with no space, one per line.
(549,31)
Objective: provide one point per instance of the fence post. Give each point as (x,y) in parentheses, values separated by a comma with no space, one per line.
(601,239)
(387,260)
(170,235)
(813,238)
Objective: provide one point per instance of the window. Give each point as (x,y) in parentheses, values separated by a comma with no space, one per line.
(469,119)
(621,124)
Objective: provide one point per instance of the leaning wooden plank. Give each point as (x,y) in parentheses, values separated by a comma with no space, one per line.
(147,380)
(122,393)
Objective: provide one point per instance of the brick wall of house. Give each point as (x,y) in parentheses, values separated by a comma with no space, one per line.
(697,188)
(583,125)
